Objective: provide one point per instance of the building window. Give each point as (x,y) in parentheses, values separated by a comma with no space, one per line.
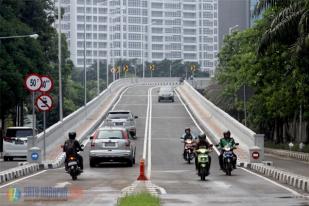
(157,46)
(156,55)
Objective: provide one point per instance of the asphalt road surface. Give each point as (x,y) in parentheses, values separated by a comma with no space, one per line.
(292,165)
(102,185)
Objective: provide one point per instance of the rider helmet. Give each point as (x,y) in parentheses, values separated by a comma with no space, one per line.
(187,130)
(202,137)
(72,135)
(227,134)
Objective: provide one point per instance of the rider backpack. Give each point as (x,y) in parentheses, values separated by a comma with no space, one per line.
(69,147)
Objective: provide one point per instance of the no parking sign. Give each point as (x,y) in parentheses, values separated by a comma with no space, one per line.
(44,102)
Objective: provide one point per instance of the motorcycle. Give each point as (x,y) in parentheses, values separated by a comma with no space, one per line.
(203,165)
(228,159)
(188,153)
(73,167)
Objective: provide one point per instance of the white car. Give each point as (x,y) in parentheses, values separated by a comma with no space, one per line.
(122,118)
(15,142)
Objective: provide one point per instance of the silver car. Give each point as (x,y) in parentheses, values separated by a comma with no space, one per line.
(112,144)
(15,142)
(166,93)
(122,118)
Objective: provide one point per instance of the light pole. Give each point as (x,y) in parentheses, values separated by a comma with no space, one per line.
(85,72)
(59,63)
(33,36)
(233,29)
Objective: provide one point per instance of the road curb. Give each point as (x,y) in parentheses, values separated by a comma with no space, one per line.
(281,176)
(295,155)
(17,172)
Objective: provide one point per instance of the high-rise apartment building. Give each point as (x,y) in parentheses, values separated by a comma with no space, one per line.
(148,30)
(233,15)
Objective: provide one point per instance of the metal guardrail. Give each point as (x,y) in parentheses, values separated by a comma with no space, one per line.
(246,137)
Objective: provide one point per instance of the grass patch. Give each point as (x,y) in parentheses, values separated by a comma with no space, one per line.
(272,145)
(140,199)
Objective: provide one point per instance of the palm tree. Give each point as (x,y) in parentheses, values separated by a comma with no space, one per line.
(290,26)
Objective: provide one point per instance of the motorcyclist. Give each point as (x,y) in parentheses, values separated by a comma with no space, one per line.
(227,139)
(188,134)
(72,147)
(202,143)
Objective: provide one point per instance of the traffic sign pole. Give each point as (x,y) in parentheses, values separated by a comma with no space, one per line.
(33,121)
(44,135)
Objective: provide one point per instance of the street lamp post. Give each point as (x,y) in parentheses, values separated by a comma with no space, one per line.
(59,64)
(33,36)
(85,72)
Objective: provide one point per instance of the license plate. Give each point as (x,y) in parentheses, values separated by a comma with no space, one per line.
(72,163)
(19,142)
(109,144)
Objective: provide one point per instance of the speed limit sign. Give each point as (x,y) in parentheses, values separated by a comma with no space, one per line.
(33,82)
(47,83)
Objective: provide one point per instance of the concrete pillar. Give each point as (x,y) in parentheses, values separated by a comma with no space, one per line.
(259,142)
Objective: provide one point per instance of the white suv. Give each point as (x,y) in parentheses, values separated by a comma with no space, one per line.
(15,142)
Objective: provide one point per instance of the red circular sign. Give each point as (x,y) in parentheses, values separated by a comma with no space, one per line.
(33,82)
(47,83)
(44,102)
(255,155)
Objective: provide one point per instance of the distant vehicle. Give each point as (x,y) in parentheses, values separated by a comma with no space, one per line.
(122,118)
(112,144)
(166,93)
(15,142)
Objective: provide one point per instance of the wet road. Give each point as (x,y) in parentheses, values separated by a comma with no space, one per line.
(102,185)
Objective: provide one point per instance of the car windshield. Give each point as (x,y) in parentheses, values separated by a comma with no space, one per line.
(119,115)
(166,89)
(19,132)
(110,134)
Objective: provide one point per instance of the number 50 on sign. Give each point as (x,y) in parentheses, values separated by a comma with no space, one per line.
(33,82)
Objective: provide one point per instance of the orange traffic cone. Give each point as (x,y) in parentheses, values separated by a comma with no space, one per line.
(142,176)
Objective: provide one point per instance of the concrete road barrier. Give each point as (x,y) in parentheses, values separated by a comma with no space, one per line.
(282,176)
(18,172)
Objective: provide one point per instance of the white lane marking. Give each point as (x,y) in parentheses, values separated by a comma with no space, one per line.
(121,97)
(149,135)
(196,124)
(21,179)
(62,184)
(275,183)
(146,128)
(271,181)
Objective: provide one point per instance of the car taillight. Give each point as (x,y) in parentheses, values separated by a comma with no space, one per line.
(9,139)
(92,144)
(128,143)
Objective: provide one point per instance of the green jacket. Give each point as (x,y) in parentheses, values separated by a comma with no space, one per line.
(223,142)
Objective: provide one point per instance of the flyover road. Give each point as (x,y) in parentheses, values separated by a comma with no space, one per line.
(102,185)
(290,164)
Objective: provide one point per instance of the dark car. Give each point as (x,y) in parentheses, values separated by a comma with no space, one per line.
(166,93)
